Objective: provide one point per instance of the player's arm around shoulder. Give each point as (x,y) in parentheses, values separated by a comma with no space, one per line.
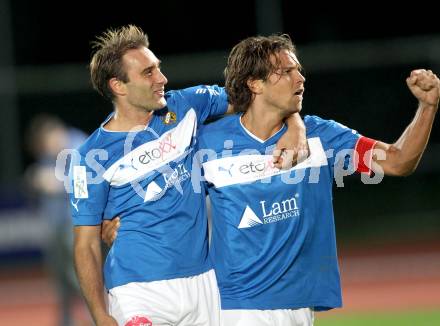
(402,157)
(88,267)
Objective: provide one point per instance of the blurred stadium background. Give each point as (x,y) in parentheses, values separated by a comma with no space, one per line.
(356,60)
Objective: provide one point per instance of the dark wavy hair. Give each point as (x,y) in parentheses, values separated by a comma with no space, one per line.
(250,60)
(110,47)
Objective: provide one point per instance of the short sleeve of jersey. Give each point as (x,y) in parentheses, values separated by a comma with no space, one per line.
(207,101)
(89,191)
(342,144)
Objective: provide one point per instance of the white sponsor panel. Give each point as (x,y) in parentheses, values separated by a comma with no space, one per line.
(154,154)
(248,168)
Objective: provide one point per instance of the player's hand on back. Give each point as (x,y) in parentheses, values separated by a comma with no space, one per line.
(109,230)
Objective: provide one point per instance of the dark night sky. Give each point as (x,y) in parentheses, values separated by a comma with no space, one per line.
(48,33)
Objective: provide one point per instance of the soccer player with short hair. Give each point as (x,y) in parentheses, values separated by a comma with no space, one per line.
(273,237)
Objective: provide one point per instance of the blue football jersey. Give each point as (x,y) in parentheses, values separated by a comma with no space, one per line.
(273,239)
(144,177)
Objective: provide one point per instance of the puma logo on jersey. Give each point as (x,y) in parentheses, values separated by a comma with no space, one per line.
(75,205)
(222,169)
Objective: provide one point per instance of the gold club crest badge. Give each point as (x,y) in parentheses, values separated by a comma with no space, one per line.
(169,118)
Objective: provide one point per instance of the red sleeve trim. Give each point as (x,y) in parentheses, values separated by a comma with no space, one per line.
(364,155)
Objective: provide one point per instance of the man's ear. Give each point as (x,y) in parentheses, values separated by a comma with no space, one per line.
(255,85)
(117,86)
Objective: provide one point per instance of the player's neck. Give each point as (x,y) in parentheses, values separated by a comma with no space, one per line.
(262,124)
(129,119)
